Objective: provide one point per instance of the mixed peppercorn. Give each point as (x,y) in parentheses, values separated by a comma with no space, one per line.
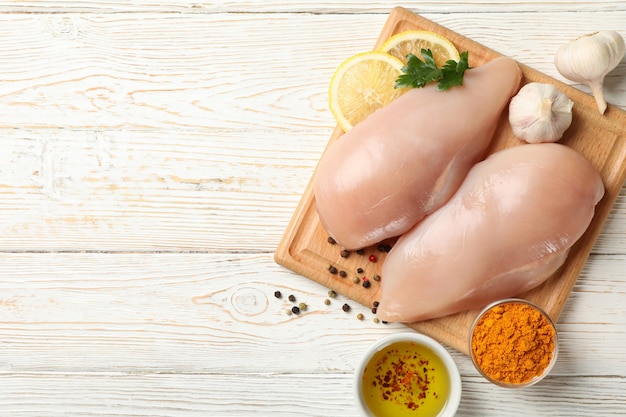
(360,278)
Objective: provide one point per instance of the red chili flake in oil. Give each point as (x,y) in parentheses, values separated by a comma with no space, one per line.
(402,379)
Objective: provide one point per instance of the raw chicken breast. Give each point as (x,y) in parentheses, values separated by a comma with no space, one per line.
(506,230)
(407,159)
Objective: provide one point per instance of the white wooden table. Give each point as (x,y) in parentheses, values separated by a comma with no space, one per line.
(151,156)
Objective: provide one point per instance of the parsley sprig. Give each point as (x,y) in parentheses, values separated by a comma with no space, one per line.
(417,73)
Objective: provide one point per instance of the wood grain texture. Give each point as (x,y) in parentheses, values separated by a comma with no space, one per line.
(151,155)
(217,314)
(305,394)
(112,190)
(167,71)
(600,138)
(302,6)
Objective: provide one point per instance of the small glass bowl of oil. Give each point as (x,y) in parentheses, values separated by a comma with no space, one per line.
(407,374)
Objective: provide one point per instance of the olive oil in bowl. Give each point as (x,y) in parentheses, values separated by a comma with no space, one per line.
(408,375)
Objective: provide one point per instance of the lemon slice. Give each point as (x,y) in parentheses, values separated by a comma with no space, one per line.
(413,41)
(361,85)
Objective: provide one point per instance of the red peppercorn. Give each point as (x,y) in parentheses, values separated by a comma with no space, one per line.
(373,258)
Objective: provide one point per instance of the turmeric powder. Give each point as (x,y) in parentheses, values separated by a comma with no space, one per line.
(513,343)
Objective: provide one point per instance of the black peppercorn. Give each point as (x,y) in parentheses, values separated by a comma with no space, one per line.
(345,308)
(295,310)
(384,248)
(374,310)
(359,270)
(360,251)
(333,270)
(331,240)
(375,303)
(343,274)
(277,294)
(367,284)
(345,253)
(292,298)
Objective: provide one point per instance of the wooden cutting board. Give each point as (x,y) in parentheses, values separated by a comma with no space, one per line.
(601,138)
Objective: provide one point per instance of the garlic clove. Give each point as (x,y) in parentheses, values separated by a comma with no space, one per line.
(540,113)
(589,58)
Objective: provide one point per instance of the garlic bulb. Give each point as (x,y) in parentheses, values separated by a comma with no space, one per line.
(540,113)
(589,58)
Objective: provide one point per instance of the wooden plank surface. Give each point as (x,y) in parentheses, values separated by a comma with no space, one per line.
(601,138)
(302,6)
(151,156)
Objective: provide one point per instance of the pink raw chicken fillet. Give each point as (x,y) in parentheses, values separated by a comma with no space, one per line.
(407,159)
(506,230)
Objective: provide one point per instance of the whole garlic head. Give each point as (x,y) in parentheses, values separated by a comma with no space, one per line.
(589,58)
(540,113)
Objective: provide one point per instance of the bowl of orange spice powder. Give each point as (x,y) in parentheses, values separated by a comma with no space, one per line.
(513,343)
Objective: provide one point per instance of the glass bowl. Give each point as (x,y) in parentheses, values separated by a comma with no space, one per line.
(400,361)
(516,352)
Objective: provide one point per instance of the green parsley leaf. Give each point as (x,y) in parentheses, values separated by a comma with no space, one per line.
(417,73)
(452,73)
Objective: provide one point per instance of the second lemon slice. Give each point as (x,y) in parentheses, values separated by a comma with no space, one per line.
(413,41)
(363,84)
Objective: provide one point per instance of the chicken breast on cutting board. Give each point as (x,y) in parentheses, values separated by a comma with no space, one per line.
(407,159)
(507,229)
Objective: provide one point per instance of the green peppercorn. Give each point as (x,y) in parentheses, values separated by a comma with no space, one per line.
(327,301)
(332,294)
(302,306)
(376,320)
(288,311)
(360,316)
(356,280)
(376,277)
